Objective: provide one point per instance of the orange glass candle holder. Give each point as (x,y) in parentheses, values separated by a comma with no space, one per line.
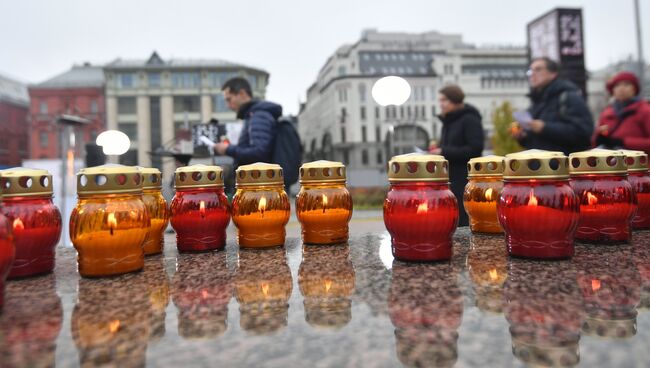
(607,200)
(639,178)
(110,222)
(420,212)
(323,205)
(157,209)
(484,185)
(7,253)
(537,209)
(260,207)
(27,204)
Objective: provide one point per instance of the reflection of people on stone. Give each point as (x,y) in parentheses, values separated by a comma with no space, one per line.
(110,322)
(426,307)
(263,286)
(30,323)
(487,263)
(611,288)
(543,306)
(326,280)
(201,290)
(158,291)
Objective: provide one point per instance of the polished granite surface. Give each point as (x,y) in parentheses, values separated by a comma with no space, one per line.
(338,306)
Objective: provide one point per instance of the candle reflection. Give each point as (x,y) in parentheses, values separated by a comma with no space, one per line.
(487,263)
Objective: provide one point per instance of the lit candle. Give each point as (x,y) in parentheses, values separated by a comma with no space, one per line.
(639,178)
(7,252)
(112,222)
(157,209)
(484,185)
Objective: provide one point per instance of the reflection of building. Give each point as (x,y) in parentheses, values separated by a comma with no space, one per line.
(341,121)
(151,99)
(78,91)
(14,104)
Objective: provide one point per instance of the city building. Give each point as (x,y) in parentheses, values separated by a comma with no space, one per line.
(151,100)
(14,107)
(339,119)
(79,92)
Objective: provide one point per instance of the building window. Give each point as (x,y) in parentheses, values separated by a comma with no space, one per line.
(252,79)
(126,80)
(377,113)
(433,110)
(408,111)
(219,79)
(43,138)
(219,104)
(130,129)
(342,70)
(344,114)
(362,93)
(343,95)
(343,138)
(364,157)
(401,112)
(363,113)
(364,134)
(187,104)
(154,79)
(378,133)
(185,80)
(424,111)
(380,158)
(93,107)
(43,107)
(126,105)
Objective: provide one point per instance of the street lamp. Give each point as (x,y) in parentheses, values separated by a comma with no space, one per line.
(113,142)
(392,90)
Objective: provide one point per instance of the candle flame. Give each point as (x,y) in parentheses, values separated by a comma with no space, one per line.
(595,284)
(18,224)
(112,222)
(422,208)
(324,202)
(494,275)
(262,205)
(488,194)
(70,162)
(113,326)
(328,285)
(205,294)
(591,199)
(265,289)
(532,200)
(202,209)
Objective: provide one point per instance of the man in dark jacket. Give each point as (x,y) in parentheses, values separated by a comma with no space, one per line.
(561,119)
(256,139)
(461,139)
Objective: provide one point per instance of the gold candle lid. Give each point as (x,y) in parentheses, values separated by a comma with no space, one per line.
(259,173)
(109,179)
(485,166)
(636,160)
(25,182)
(151,178)
(418,167)
(322,172)
(198,176)
(536,164)
(597,161)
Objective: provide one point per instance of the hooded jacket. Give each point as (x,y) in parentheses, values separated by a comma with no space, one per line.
(255,142)
(568,125)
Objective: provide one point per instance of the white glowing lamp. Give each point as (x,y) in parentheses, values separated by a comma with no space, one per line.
(391,90)
(113,142)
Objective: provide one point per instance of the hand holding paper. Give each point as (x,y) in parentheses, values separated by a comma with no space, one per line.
(206,141)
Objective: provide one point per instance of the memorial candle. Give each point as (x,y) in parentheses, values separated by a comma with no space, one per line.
(485,182)
(157,209)
(639,178)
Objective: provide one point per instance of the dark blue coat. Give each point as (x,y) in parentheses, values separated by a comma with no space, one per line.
(258,133)
(568,125)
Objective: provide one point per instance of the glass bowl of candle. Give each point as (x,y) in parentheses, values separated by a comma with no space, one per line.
(420,211)
(110,221)
(607,200)
(537,208)
(157,209)
(200,210)
(639,178)
(260,207)
(36,222)
(323,205)
(7,252)
(485,181)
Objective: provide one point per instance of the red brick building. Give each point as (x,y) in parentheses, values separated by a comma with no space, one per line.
(14,107)
(78,91)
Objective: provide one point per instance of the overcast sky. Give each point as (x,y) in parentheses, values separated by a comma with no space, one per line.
(291,39)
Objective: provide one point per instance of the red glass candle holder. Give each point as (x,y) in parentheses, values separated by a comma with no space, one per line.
(201,290)
(484,185)
(200,212)
(639,178)
(425,306)
(27,204)
(260,207)
(7,252)
(157,209)
(323,205)
(607,201)
(420,212)
(538,209)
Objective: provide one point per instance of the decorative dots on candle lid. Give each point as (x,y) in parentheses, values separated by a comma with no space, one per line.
(597,161)
(198,176)
(24,182)
(109,179)
(322,171)
(636,160)
(259,173)
(536,164)
(485,166)
(414,167)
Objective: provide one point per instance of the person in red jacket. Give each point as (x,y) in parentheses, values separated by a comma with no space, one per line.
(625,123)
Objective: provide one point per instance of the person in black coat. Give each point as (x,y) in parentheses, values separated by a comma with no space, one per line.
(561,120)
(462,138)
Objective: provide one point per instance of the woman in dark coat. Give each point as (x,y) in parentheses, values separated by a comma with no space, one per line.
(462,138)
